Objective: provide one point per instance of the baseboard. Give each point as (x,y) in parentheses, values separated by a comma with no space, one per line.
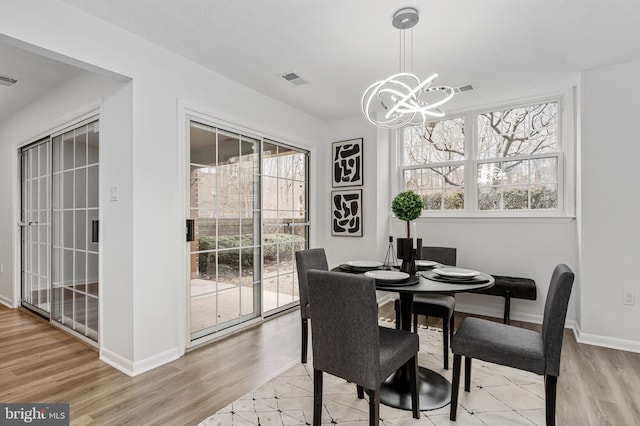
(384,297)
(497,313)
(134,368)
(116,361)
(605,341)
(154,361)
(6,301)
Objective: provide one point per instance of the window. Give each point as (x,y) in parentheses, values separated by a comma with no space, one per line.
(434,157)
(497,161)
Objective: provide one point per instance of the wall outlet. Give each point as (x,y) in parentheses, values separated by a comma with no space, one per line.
(629,298)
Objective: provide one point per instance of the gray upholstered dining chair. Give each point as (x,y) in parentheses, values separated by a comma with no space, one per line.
(436,305)
(348,343)
(517,347)
(305,260)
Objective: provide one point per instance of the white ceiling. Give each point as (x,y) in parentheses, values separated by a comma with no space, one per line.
(36,76)
(342,46)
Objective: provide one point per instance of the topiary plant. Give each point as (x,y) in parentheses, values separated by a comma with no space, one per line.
(407,206)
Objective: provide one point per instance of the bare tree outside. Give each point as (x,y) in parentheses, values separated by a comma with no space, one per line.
(525,175)
(439,148)
(284,192)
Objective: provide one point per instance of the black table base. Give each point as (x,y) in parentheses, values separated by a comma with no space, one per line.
(434,391)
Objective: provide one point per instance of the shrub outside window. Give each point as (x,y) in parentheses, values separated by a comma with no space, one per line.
(511,158)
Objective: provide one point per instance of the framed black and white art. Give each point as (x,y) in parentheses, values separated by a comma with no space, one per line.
(346,213)
(347,163)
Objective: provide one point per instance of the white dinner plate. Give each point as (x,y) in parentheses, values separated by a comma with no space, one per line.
(364,263)
(389,276)
(426,263)
(457,273)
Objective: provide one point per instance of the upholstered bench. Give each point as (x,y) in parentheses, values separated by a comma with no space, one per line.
(510,288)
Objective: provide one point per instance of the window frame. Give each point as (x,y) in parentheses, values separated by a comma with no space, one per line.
(463,162)
(565,159)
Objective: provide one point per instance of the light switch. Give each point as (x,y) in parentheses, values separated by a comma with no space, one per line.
(115,193)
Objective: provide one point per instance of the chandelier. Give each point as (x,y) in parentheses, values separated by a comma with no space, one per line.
(402,99)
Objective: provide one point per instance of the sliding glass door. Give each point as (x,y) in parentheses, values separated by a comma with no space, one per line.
(224,213)
(35,223)
(248,214)
(286,224)
(74,285)
(59,222)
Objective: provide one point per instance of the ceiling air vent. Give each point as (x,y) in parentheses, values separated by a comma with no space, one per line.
(463,88)
(7,81)
(293,78)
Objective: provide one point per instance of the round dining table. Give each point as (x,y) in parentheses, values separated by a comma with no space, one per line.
(434,390)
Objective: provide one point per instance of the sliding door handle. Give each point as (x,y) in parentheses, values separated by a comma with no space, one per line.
(190,236)
(95,231)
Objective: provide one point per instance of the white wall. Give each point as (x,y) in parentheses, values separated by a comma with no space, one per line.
(341,249)
(609,228)
(116,228)
(528,248)
(150,172)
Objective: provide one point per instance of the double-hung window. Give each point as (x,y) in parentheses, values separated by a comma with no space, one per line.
(505,161)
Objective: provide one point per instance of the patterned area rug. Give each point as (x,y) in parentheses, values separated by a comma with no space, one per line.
(499,396)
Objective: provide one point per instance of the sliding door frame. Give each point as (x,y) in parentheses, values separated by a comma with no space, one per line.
(190,112)
(91,112)
(25,226)
(217,251)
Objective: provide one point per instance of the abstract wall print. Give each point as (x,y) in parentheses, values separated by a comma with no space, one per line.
(346,213)
(347,163)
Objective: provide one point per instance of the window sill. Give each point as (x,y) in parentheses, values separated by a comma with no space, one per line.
(497,219)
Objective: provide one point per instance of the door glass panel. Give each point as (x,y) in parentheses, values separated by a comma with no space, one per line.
(286,229)
(92,317)
(93,149)
(223,191)
(74,286)
(35,226)
(92,274)
(81,146)
(80,229)
(66,191)
(80,185)
(92,182)
(67,154)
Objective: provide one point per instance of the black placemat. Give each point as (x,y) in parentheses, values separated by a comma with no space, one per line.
(430,275)
(357,269)
(412,280)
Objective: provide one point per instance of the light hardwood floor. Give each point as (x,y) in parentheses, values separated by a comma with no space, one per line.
(39,363)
